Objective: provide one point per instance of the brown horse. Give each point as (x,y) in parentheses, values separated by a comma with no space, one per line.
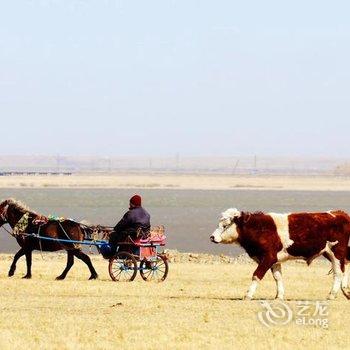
(12,212)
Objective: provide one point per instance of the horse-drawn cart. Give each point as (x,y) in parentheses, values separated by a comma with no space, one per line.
(143,255)
(34,231)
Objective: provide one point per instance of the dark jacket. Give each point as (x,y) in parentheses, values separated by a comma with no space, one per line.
(134,219)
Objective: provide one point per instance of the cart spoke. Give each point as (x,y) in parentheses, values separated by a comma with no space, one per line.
(123,267)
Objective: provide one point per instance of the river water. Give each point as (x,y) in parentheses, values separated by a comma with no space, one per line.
(190,216)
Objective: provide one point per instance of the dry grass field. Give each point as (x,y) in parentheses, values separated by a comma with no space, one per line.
(199,306)
(181,181)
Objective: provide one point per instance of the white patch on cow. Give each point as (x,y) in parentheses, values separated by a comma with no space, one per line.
(252,288)
(231,213)
(337,273)
(327,249)
(282,225)
(227,231)
(331,214)
(345,281)
(277,275)
(329,246)
(283,256)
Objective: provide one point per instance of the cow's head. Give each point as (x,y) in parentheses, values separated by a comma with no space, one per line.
(227,230)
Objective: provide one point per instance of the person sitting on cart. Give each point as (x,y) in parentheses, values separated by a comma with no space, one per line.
(134,224)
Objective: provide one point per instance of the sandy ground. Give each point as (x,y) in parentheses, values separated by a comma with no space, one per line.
(198,306)
(199,182)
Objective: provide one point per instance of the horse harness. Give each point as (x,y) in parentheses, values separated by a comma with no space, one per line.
(39,221)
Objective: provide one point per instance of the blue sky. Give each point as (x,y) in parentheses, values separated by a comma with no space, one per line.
(165,77)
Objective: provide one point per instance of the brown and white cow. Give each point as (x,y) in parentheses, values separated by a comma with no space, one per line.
(271,239)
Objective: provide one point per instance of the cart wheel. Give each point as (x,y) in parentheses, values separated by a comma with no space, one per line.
(154,270)
(122,267)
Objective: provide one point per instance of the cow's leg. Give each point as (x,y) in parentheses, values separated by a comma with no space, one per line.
(252,288)
(19,254)
(345,282)
(264,265)
(277,275)
(337,279)
(29,264)
(70,262)
(82,256)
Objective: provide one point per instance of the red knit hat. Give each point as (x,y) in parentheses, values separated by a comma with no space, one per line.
(136,200)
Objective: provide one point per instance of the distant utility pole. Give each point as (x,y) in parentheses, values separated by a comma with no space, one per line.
(235,166)
(255,164)
(150,163)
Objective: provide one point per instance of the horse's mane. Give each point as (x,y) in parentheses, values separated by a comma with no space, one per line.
(18,205)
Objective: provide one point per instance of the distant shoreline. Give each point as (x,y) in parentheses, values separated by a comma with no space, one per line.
(181,182)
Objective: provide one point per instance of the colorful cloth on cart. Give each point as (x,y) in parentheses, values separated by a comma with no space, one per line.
(21,225)
(159,240)
(56,218)
(157,235)
(40,220)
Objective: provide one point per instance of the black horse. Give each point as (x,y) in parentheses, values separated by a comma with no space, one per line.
(15,213)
